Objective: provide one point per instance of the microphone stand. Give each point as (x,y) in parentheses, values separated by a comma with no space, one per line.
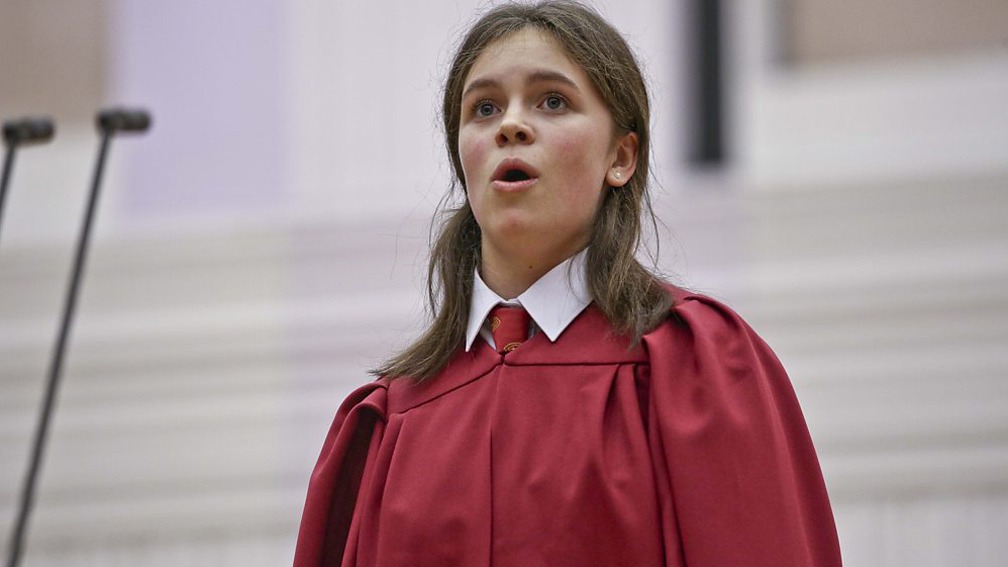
(16,132)
(8,165)
(109,122)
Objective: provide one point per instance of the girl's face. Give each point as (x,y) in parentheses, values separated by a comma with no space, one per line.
(537,145)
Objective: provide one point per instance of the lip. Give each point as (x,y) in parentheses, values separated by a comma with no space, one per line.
(497,179)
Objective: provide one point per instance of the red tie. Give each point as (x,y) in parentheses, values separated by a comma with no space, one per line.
(510,327)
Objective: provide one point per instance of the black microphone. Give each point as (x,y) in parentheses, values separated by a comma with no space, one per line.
(34,130)
(109,121)
(123,120)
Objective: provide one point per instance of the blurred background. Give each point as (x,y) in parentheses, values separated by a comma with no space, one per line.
(836,171)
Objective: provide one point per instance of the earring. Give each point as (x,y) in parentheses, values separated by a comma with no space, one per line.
(618,175)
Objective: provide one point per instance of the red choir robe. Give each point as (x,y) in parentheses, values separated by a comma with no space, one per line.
(689,450)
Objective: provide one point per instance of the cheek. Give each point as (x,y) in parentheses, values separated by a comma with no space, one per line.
(582,159)
(473,155)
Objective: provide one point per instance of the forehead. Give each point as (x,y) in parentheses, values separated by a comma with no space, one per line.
(526,48)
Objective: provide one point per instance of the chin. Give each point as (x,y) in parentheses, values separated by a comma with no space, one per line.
(514,224)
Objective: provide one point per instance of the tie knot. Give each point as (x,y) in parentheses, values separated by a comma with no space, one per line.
(510,327)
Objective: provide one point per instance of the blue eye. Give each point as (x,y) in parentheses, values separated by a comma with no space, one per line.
(554,102)
(484,109)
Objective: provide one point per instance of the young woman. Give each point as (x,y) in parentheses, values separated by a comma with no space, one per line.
(564,407)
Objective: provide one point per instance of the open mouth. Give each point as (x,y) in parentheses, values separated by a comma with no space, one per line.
(512,175)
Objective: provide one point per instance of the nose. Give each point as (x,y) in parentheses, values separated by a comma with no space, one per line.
(514,129)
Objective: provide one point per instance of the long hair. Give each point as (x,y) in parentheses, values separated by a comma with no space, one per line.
(632,299)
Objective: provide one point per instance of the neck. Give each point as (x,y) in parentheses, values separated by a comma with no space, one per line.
(510,272)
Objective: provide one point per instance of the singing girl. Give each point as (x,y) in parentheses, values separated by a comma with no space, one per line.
(564,406)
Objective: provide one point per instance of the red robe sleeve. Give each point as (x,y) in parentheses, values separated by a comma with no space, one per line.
(738,477)
(336,479)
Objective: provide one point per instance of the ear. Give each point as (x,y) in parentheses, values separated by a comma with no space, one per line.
(624,162)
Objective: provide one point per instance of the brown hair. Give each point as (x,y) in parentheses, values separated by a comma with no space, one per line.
(631,297)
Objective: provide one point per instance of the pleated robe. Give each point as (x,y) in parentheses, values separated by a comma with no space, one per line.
(689,449)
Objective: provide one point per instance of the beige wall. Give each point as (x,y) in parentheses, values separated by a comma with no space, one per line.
(52,58)
(826,31)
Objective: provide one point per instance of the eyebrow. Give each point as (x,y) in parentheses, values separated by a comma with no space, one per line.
(540,76)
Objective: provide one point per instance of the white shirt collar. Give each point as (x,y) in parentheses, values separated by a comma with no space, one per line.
(553,301)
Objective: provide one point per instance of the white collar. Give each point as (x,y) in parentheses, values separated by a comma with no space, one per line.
(553,301)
